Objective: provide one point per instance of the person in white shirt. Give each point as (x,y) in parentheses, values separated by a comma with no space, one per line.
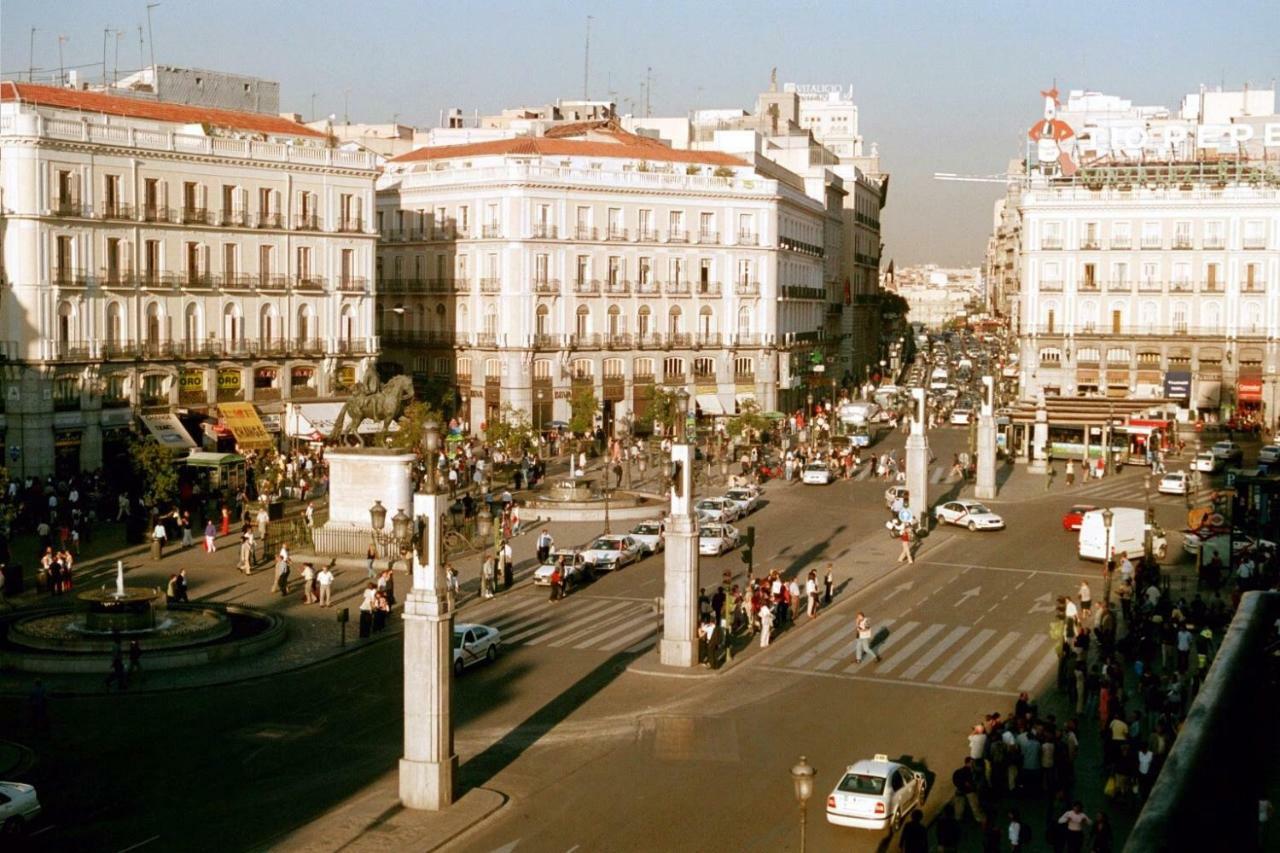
(766,624)
(325,580)
(308,576)
(811,592)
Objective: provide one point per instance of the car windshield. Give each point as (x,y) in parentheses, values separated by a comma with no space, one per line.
(976,509)
(607,545)
(858,783)
(646,529)
(710,532)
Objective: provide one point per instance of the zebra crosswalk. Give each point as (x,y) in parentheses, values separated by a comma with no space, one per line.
(601,624)
(1125,488)
(927,653)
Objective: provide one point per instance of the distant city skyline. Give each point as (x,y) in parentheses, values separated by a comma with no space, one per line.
(966,113)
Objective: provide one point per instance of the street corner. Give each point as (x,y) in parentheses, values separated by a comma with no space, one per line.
(649,665)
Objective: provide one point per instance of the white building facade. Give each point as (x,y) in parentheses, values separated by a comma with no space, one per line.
(523,271)
(160,258)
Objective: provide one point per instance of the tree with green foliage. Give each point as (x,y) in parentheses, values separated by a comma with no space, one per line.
(155,469)
(413,425)
(749,423)
(660,410)
(512,431)
(582,407)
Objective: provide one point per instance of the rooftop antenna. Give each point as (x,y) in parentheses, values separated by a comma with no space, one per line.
(62,75)
(586,63)
(31,57)
(648,90)
(346,99)
(142,56)
(115,70)
(151,42)
(106,33)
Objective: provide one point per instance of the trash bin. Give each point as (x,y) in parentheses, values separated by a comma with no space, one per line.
(275,510)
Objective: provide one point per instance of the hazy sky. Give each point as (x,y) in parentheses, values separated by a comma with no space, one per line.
(942,86)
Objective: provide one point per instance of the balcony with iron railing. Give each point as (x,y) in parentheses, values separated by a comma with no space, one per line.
(155,213)
(1212,287)
(1053,243)
(1254,242)
(233,218)
(1214,241)
(1181,287)
(678,236)
(1256,286)
(1050,286)
(67,206)
(1126,330)
(196,216)
(490,285)
(544,341)
(677,288)
(546,285)
(307,222)
(1118,286)
(747,288)
(119,211)
(586,287)
(1090,244)
(461,285)
(617,287)
(584,232)
(1183,242)
(351,225)
(708,288)
(647,288)
(70,277)
(1087,286)
(615,233)
(544,231)
(748,238)
(708,339)
(678,339)
(491,231)
(351,284)
(1121,243)
(585,341)
(618,340)
(308,283)
(268,220)
(708,237)
(393,235)
(646,235)
(1152,243)
(1149,286)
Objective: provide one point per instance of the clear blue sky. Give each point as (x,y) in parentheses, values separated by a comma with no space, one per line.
(942,86)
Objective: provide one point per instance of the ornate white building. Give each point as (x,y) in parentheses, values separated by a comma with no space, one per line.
(1156,275)
(518,270)
(159,259)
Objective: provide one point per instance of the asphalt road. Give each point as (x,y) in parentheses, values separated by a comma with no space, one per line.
(590,754)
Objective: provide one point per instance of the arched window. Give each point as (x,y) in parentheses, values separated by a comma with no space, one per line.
(706,321)
(613,368)
(704,368)
(644,321)
(492,368)
(441,319)
(232,326)
(644,369)
(191,325)
(306,326)
(673,370)
(583,368)
(542,370)
(155,324)
(673,320)
(491,319)
(1212,313)
(347,325)
(616,323)
(744,321)
(464,318)
(582,325)
(268,327)
(66,323)
(115,324)
(542,321)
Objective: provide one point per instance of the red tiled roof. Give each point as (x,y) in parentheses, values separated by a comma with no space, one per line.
(627,145)
(97,102)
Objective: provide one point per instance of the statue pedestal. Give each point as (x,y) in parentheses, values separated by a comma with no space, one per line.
(358,477)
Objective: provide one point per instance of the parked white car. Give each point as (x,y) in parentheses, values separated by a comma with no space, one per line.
(746,497)
(577,571)
(960,417)
(816,474)
(892,493)
(651,535)
(1269,454)
(969,513)
(613,551)
(717,509)
(716,539)
(1206,462)
(1173,483)
(875,794)
(19,805)
(473,643)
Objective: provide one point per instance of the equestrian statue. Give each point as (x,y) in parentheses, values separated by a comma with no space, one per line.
(369,401)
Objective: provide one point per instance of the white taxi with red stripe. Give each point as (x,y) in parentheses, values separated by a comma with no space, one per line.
(876,793)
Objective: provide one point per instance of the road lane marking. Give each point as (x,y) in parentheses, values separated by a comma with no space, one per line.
(968,594)
(1080,574)
(1043,604)
(549,622)
(890,641)
(628,625)
(835,637)
(909,649)
(609,624)
(897,682)
(822,629)
(1032,681)
(976,642)
(142,843)
(846,650)
(984,663)
(490,609)
(575,626)
(1033,643)
(631,638)
(935,652)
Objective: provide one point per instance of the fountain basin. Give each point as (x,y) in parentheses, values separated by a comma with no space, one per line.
(129,611)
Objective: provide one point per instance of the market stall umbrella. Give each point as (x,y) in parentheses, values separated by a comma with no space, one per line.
(773,416)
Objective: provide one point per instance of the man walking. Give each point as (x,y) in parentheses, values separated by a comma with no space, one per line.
(324,579)
(508,565)
(862,646)
(905,556)
(545,544)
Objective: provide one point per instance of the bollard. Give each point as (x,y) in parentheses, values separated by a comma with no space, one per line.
(344,616)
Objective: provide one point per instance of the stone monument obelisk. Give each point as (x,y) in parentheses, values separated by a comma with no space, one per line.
(985,488)
(429,766)
(1039,462)
(679,646)
(918,463)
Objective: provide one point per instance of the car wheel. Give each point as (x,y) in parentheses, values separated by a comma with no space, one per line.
(492,654)
(895,821)
(457,667)
(973,526)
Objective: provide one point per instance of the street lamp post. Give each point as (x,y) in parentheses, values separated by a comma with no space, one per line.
(802,777)
(429,765)
(809,411)
(1108,518)
(1146,528)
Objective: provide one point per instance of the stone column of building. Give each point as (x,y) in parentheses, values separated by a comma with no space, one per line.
(1038,463)
(429,766)
(985,488)
(679,646)
(918,462)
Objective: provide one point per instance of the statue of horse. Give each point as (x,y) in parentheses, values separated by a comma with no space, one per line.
(386,404)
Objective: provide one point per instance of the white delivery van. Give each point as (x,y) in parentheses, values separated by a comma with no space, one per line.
(858,413)
(1127,528)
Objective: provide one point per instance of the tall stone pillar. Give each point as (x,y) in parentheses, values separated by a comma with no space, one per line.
(1039,463)
(679,646)
(985,488)
(429,766)
(918,462)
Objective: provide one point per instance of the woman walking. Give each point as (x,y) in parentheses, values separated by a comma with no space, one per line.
(766,624)
(210,534)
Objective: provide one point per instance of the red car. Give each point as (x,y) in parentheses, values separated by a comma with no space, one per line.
(1075,516)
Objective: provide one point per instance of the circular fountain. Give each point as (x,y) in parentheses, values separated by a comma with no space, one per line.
(584,499)
(61,639)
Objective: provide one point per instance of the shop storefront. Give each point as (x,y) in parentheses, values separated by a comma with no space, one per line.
(1248,398)
(1177,387)
(230,384)
(302,382)
(243,421)
(191,390)
(266,384)
(1117,384)
(169,431)
(66,452)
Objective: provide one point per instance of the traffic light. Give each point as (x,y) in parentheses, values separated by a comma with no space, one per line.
(748,545)
(1062,608)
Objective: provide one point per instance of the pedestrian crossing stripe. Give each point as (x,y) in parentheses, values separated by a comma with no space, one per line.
(935,652)
(892,663)
(992,655)
(975,643)
(1019,660)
